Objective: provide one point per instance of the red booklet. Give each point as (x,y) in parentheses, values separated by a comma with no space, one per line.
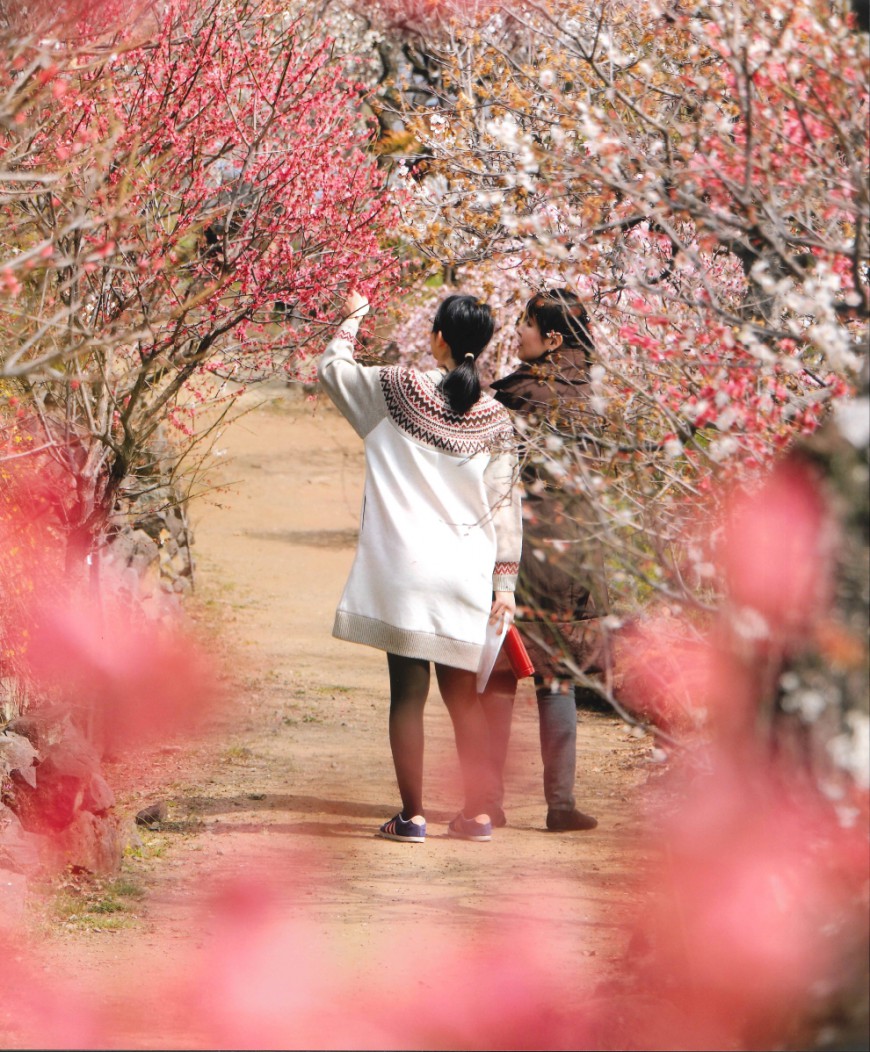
(517,654)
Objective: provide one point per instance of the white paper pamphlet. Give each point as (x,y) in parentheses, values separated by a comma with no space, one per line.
(491,646)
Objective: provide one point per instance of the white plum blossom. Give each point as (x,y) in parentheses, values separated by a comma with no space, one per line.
(750,625)
(807,701)
(851,750)
(853,421)
(698,410)
(722,448)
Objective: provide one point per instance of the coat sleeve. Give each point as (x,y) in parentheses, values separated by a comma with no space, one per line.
(501,479)
(355,389)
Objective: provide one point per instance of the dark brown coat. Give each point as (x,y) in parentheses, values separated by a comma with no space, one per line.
(560,565)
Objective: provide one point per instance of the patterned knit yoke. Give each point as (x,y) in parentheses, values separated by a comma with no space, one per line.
(418,406)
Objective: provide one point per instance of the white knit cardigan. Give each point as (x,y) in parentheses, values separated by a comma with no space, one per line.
(441,524)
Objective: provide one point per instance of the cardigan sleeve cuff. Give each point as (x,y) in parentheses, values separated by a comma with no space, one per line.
(504,579)
(348,329)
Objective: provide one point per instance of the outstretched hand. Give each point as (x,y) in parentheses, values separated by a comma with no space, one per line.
(356,305)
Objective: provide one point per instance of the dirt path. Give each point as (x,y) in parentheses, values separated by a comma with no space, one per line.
(292,783)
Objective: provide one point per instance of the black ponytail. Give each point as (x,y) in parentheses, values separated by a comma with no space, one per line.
(467,327)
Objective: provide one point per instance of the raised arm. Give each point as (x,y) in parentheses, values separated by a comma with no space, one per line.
(355,389)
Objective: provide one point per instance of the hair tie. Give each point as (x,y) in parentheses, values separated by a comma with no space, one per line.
(470,355)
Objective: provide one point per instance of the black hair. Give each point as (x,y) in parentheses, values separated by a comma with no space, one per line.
(467,327)
(560,310)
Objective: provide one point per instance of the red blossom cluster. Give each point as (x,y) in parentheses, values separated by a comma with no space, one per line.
(182,208)
(73,20)
(237,179)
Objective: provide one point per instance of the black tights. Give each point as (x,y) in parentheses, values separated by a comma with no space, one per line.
(409,688)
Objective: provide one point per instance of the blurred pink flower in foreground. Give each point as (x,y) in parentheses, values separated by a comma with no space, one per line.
(777,551)
(758,902)
(274,979)
(775,561)
(39,1011)
(680,678)
(761,895)
(271,975)
(88,645)
(143,681)
(743,919)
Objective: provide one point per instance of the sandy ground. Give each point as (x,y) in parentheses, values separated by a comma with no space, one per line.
(292,781)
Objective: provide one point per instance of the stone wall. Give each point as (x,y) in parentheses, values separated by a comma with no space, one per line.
(149,549)
(56,808)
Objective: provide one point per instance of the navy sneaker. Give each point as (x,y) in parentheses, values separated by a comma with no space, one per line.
(469,828)
(400,828)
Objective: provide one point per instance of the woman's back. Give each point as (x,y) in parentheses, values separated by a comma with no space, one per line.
(440,532)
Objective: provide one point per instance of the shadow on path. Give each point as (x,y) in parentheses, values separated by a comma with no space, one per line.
(215,805)
(308,538)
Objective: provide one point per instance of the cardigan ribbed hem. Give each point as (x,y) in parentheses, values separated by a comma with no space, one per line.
(357,628)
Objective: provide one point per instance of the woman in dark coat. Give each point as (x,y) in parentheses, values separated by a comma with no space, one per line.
(556,613)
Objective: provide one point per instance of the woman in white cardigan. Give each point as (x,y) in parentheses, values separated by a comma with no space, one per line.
(440,535)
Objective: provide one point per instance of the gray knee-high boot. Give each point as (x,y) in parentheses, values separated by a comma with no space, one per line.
(557,715)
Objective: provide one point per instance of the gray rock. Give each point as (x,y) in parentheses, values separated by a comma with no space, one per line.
(175,522)
(145,552)
(133,548)
(52,805)
(70,763)
(151,815)
(20,851)
(18,754)
(73,756)
(92,842)
(28,727)
(98,795)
